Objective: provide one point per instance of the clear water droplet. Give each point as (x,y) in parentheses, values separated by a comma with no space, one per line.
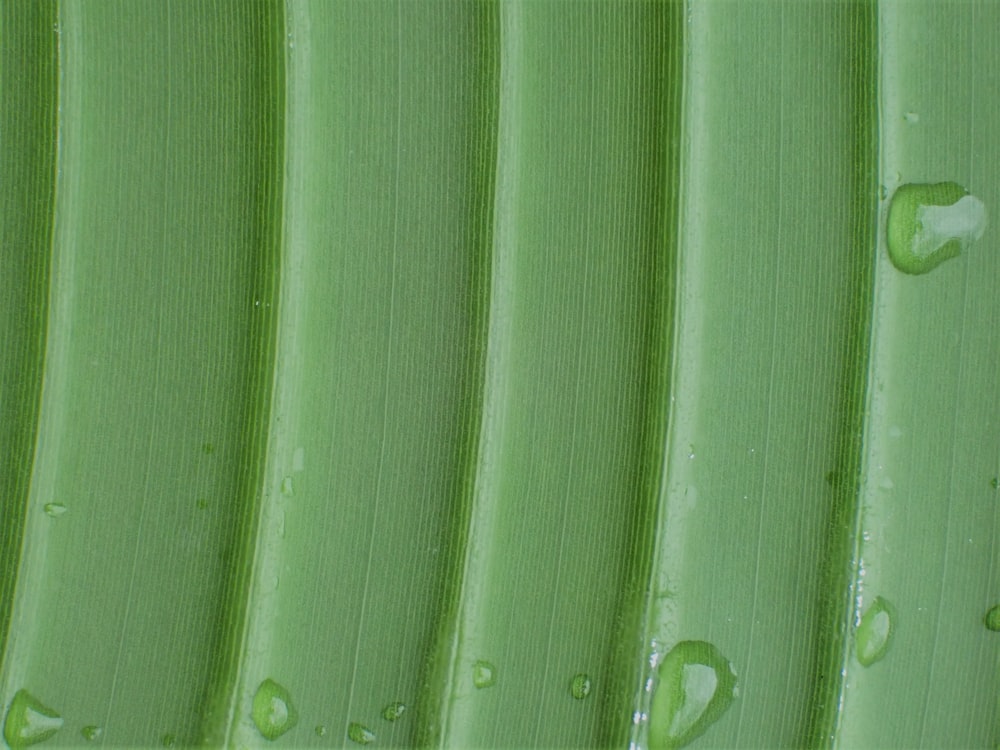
(273,712)
(208,448)
(54,509)
(697,685)
(911,117)
(29,721)
(931,223)
(873,635)
(168,740)
(202,503)
(883,192)
(992,618)
(580,686)
(91,732)
(360,733)
(286,487)
(995,483)
(320,730)
(484,674)
(393,711)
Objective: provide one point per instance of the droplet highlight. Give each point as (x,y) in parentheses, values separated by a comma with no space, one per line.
(91,732)
(873,635)
(393,711)
(360,733)
(931,223)
(579,687)
(29,721)
(697,685)
(273,712)
(484,674)
(54,510)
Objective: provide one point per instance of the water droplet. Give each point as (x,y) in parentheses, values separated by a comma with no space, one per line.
(580,686)
(202,503)
(995,483)
(393,711)
(931,223)
(272,711)
(91,732)
(168,740)
(54,509)
(886,483)
(484,674)
(320,730)
(992,618)
(911,117)
(874,632)
(286,486)
(895,431)
(883,192)
(29,721)
(697,685)
(208,448)
(360,733)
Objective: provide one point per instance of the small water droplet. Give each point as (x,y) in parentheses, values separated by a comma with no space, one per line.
(995,483)
(697,685)
(580,686)
(360,733)
(320,730)
(272,711)
(208,448)
(29,721)
(931,223)
(202,503)
(286,487)
(883,192)
(168,740)
(484,674)
(393,711)
(91,732)
(992,618)
(873,635)
(911,117)
(54,509)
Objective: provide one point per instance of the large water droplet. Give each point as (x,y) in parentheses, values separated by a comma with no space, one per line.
(272,711)
(697,685)
(393,711)
(484,674)
(874,632)
(29,721)
(360,733)
(54,509)
(91,732)
(992,618)
(580,686)
(930,223)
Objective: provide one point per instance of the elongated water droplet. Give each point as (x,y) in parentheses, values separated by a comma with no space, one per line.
(29,721)
(928,224)
(91,732)
(393,711)
(995,483)
(992,618)
(320,730)
(484,674)
(360,733)
(54,509)
(272,711)
(580,686)
(168,740)
(697,685)
(873,635)
(286,487)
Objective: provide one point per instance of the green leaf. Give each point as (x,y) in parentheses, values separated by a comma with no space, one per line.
(534,373)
